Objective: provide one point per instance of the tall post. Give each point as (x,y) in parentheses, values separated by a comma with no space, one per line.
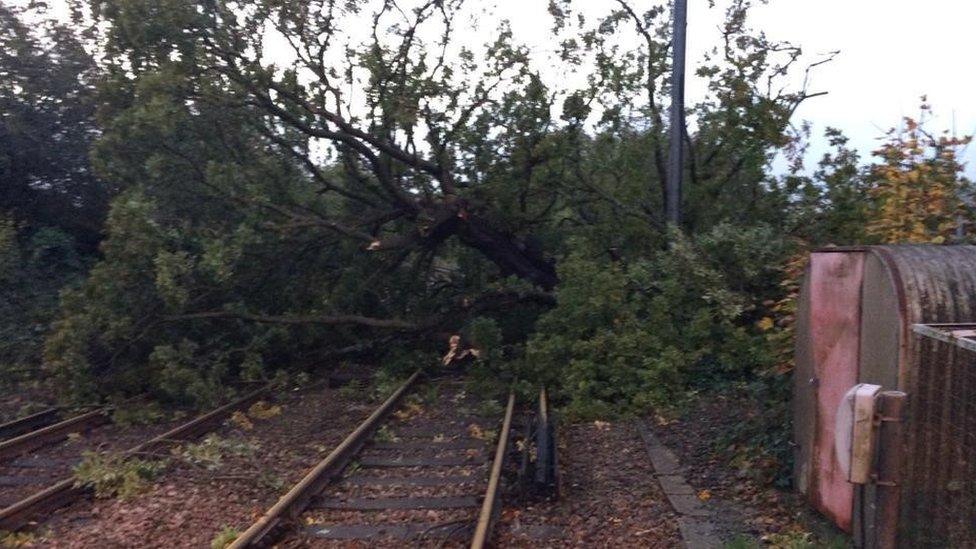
(677,129)
(891,454)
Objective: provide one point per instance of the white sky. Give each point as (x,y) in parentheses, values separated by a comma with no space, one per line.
(892,53)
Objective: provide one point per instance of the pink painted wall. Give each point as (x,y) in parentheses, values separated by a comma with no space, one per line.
(835,311)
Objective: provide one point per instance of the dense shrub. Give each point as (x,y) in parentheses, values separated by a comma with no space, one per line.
(627,336)
(35,264)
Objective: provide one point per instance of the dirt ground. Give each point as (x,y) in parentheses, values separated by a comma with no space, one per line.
(610,497)
(743,503)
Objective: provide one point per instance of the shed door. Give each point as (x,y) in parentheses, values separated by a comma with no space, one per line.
(834,332)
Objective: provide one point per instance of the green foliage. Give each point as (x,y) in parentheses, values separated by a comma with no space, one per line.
(430,394)
(384,384)
(211,451)
(139,413)
(917,190)
(628,336)
(15,540)
(489,408)
(47,126)
(353,389)
(225,537)
(485,335)
(112,474)
(35,264)
(270,222)
(385,434)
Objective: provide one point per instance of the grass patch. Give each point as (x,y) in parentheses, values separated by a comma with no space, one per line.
(211,451)
(112,474)
(224,537)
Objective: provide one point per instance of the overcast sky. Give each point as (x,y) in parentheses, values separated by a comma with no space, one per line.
(892,52)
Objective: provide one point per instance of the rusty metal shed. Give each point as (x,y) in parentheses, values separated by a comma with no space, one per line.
(854,325)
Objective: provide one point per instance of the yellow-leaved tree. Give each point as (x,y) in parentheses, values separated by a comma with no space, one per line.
(917,188)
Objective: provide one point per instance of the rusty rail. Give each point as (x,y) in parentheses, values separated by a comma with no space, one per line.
(52,433)
(546,463)
(66,491)
(297,499)
(26,424)
(489,507)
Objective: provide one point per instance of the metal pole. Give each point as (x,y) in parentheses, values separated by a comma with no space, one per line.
(677,129)
(890,457)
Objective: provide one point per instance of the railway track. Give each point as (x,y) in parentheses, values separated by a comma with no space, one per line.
(424,473)
(29,423)
(34,484)
(29,440)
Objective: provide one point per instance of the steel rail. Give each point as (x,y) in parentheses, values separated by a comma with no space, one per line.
(57,495)
(293,503)
(489,507)
(547,466)
(25,424)
(52,433)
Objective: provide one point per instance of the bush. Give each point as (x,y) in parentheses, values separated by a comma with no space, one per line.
(628,336)
(35,264)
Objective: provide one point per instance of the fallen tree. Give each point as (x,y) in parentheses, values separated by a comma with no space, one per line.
(310,180)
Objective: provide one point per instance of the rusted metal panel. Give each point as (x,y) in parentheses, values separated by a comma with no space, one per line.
(834,332)
(884,534)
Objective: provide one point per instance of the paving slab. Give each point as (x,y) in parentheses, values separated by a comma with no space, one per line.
(697,531)
(688,505)
(699,534)
(663,460)
(675,485)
